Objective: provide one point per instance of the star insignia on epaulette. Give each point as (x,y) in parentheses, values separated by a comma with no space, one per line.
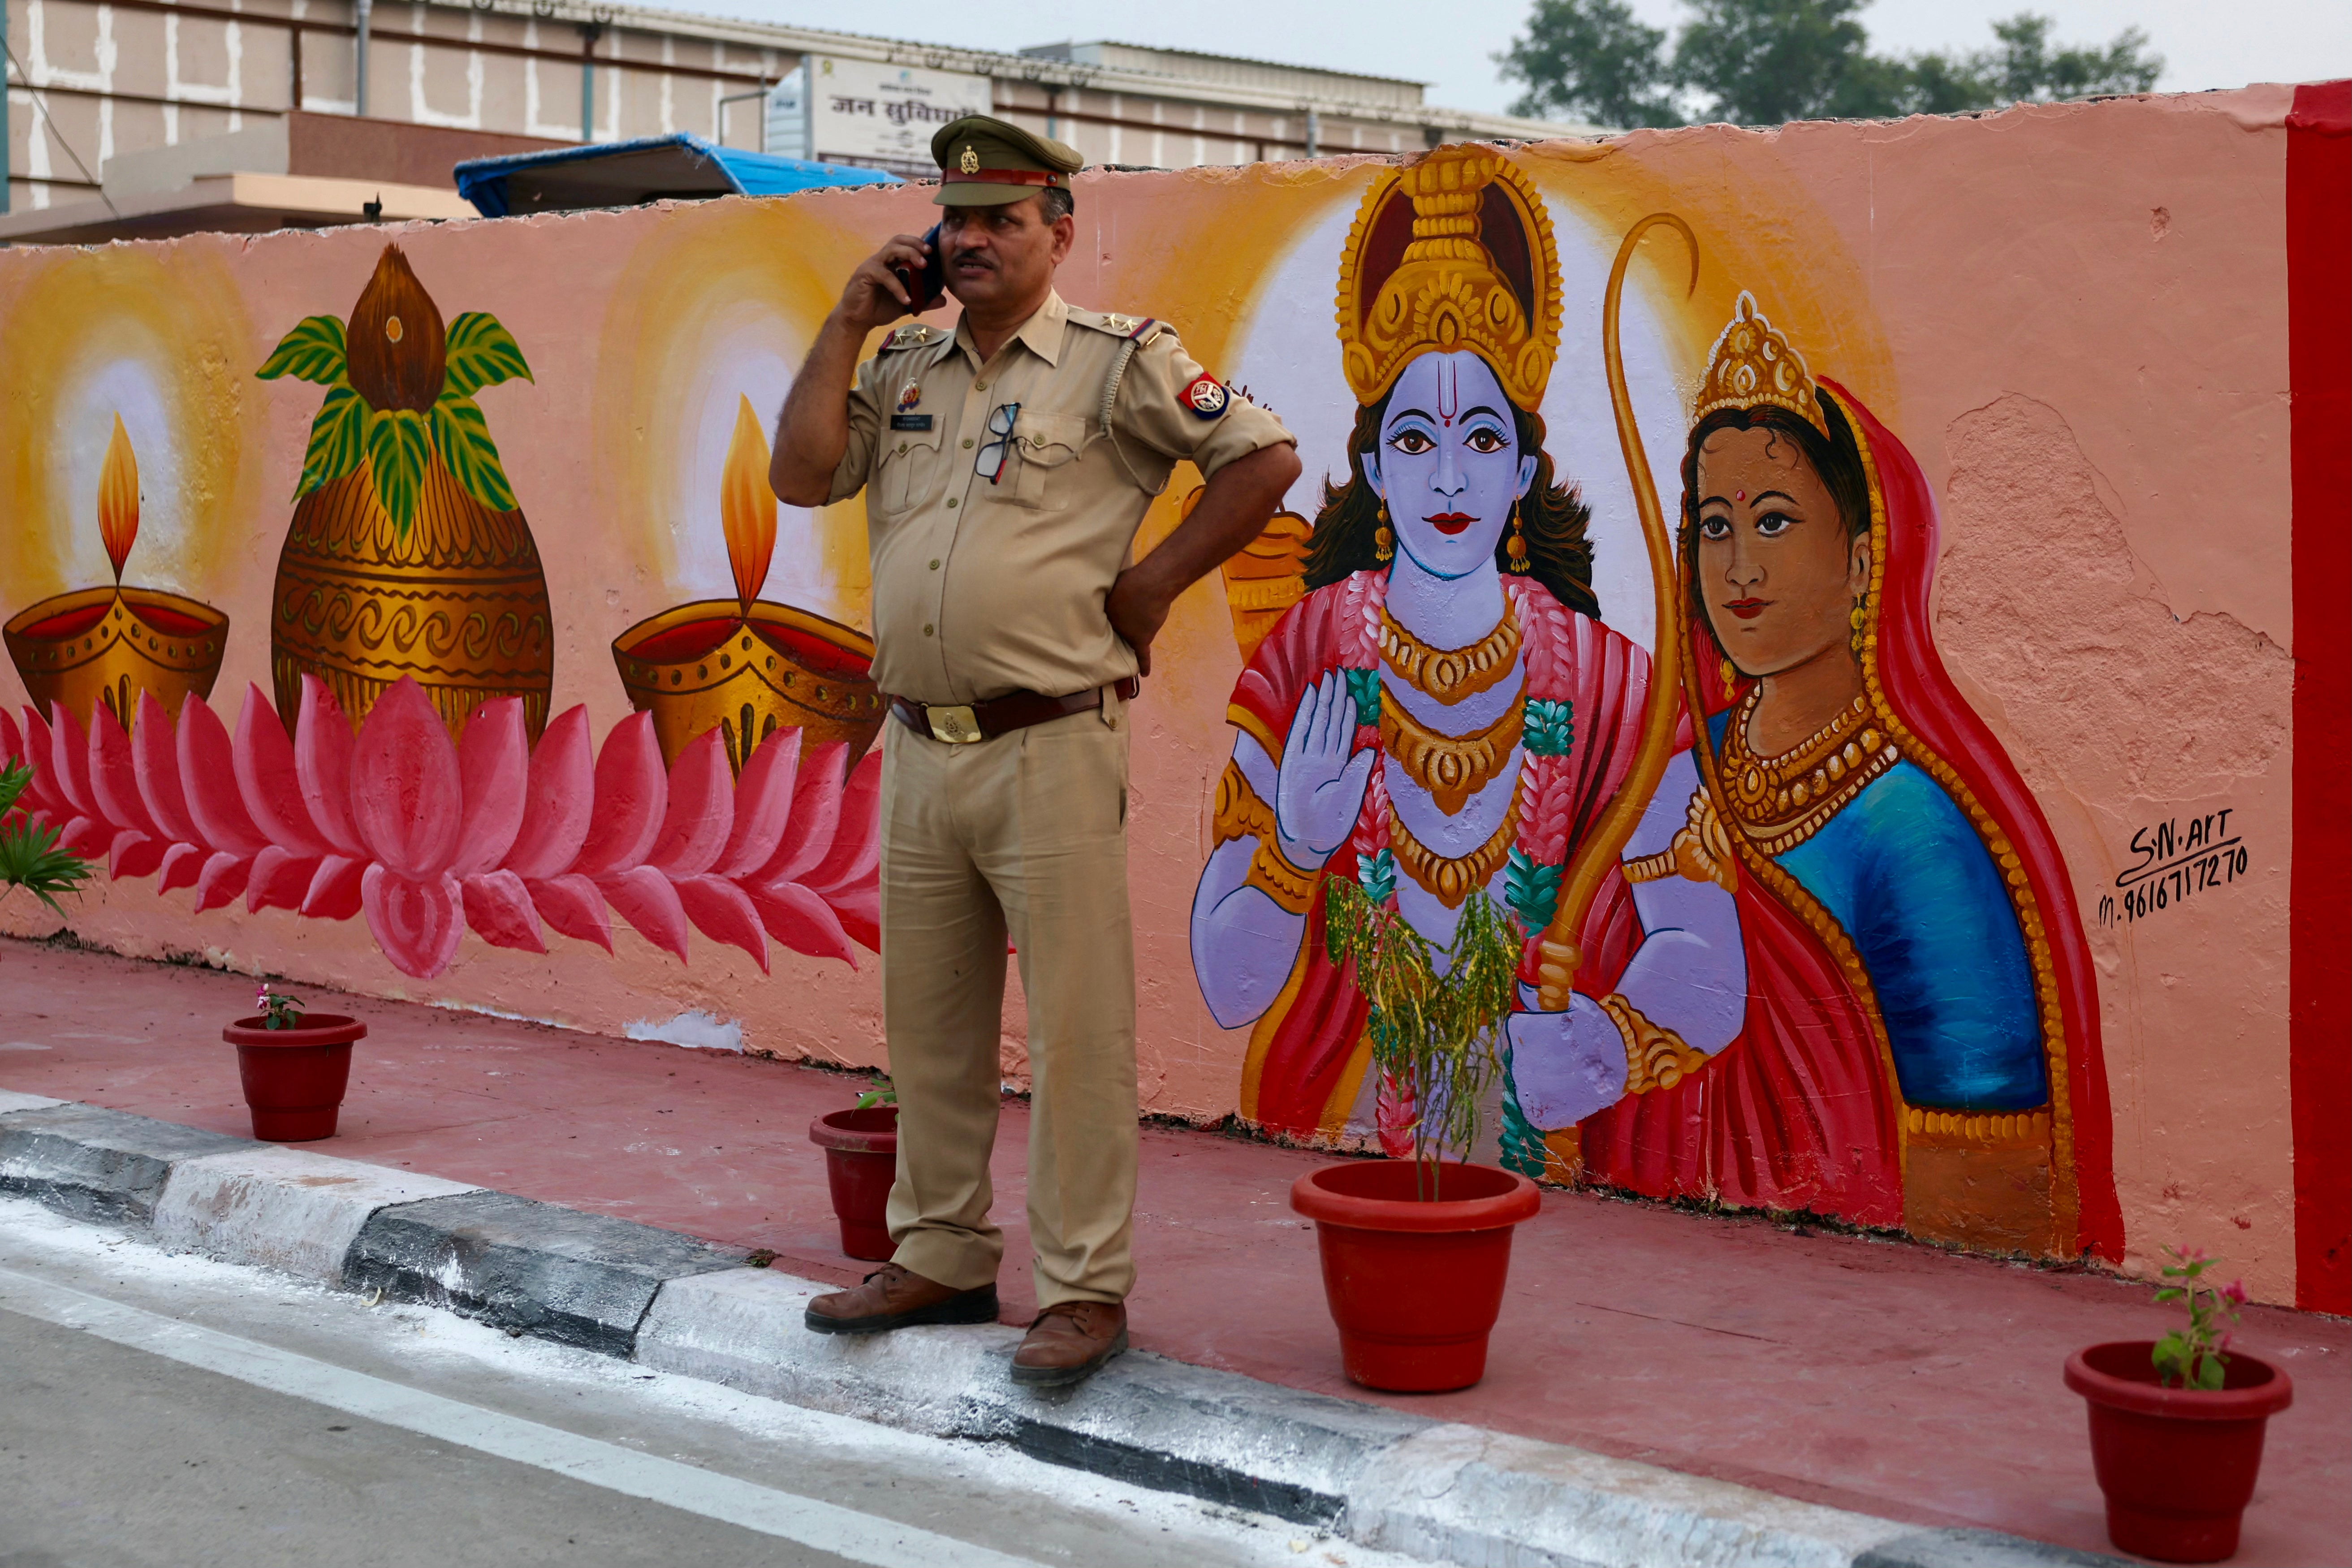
(1121,324)
(908,338)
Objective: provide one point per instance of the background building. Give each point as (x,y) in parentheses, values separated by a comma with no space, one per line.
(89,81)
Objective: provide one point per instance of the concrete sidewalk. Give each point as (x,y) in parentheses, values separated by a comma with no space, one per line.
(1886,1380)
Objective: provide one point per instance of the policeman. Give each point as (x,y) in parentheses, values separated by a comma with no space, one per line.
(1007,465)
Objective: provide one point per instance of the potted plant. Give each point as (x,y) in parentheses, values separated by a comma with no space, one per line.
(2177,1424)
(1415,1251)
(294,1067)
(29,855)
(861,1161)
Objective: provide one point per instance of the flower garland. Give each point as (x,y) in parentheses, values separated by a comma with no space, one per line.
(1537,858)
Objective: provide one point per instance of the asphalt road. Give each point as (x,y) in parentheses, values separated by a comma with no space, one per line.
(161,1411)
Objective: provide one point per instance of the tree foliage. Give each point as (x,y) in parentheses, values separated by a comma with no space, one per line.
(1766,62)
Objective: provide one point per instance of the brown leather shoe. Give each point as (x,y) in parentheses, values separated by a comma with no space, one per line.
(896,1298)
(1069,1342)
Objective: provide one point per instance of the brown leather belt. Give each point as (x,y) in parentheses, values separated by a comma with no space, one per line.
(965,723)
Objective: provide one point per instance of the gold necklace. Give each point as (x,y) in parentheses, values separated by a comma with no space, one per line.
(1781,801)
(1452,879)
(1452,768)
(1452,674)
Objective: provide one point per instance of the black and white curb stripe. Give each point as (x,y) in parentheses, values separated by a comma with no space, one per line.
(1378,1477)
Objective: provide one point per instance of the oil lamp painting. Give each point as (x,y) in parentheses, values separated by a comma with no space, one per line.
(111,643)
(747,666)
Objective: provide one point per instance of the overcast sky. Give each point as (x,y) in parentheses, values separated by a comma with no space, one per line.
(1448,43)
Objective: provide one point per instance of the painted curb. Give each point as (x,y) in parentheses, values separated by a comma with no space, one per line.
(283,1208)
(577,1278)
(1145,1419)
(89,1163)
(1378,1477)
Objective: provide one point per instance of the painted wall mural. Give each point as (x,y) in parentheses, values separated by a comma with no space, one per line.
(1730,591)
(1820,978)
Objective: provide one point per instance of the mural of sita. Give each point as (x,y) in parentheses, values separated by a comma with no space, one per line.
(1919,1044)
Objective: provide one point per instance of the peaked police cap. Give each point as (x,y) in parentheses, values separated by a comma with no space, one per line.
(987,162)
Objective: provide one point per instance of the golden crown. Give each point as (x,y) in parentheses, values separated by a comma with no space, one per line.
(1752,365)
(1453,253)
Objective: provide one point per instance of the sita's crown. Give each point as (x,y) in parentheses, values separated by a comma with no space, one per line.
(1453,253)
(1752,365)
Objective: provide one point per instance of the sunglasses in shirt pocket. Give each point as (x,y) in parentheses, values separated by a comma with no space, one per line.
(1043,445)
(908,470)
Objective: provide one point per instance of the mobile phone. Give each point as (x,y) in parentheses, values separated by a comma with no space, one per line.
(931,286)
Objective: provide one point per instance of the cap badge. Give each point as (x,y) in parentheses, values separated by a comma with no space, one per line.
(1205,396)
(969,161)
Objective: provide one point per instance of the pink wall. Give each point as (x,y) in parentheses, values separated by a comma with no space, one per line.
(2074,317)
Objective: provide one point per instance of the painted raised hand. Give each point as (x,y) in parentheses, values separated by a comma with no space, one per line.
(1565,1065)
(1319,789)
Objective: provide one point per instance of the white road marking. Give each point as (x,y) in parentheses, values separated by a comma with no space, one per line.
(822,1526)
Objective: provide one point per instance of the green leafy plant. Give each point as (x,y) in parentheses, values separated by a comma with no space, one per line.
(1437,1017)
(400,443)
(2192,1357)
(279,1011)
(29,855)
(882,1093)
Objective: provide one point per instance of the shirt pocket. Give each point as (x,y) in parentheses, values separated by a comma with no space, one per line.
(908,469)
(1045,445)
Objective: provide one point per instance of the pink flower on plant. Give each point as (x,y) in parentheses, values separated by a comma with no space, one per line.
(2236,1291)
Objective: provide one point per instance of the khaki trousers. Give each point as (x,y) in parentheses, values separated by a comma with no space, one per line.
(1022,835)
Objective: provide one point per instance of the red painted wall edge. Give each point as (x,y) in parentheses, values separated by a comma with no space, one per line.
(2319,921)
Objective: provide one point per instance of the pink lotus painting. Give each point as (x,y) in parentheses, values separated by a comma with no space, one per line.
(428,838)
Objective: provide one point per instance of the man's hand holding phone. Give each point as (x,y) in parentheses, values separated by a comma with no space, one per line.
(879,293)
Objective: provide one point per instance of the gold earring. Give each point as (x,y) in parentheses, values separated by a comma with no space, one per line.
(1383,542)
(1857,620)
(1517,547)
(1731,676)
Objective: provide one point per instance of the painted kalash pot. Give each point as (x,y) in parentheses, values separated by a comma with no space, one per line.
(112,644)
(745,667)
(407,556)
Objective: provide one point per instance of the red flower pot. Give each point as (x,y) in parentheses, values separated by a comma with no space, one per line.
(1414,1285)
(294,1078)
(2178,1464)
(861,1161)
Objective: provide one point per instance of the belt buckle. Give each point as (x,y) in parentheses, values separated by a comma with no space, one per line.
(956,726)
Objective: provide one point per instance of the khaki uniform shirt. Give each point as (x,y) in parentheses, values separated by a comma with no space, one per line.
(980,588)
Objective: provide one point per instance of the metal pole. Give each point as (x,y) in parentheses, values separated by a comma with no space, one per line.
(364,8)
(1314,134)
(8,159)
(588,36)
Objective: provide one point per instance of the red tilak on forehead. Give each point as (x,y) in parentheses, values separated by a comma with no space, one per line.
(1449,390)
(1739,495)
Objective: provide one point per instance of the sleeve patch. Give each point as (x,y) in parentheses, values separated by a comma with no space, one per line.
(1206,396)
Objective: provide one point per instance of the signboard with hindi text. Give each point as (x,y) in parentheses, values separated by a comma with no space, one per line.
(868,114)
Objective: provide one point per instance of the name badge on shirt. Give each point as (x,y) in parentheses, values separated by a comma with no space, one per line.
(910,422)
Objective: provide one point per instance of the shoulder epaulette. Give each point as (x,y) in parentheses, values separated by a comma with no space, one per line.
(909,337)
(1138,330)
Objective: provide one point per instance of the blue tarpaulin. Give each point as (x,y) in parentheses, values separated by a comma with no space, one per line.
(650,168)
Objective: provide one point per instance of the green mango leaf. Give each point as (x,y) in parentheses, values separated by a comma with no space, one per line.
(338,440)
(313,350)
(462,436)
(399,448)
(480,353)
